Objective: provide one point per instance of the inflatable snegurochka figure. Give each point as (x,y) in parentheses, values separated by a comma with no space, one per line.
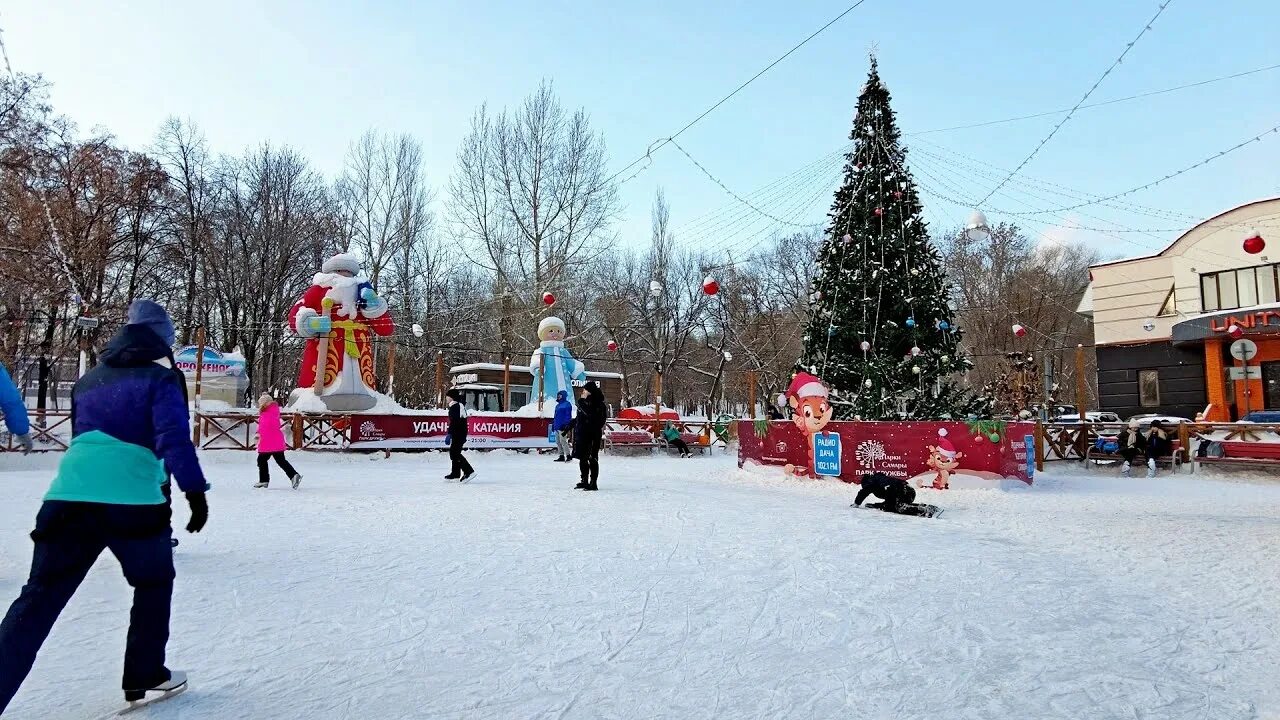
(342,308)
(553,360)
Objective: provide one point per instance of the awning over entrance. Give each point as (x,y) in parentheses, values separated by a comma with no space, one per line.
(1253,321)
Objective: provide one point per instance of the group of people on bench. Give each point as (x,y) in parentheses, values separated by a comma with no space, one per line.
(1153,445)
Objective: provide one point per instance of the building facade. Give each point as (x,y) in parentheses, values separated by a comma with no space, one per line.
(1163,323)
(482,384)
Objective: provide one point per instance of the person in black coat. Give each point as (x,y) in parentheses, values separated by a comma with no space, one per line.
(460,468)
(588,431)
(898,495)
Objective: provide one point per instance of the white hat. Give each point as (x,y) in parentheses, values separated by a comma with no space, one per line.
(342,261)
(549,322)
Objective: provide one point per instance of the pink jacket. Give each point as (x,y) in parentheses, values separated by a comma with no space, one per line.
(270,436)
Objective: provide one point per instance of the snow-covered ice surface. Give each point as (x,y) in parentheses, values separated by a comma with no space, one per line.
(684,588)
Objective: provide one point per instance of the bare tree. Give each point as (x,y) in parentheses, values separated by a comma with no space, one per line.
(183,152)
(531,196)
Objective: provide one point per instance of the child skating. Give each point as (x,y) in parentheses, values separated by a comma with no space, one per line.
(271,443)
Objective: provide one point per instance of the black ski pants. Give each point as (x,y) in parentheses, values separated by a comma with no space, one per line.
(458,464)
(588,452)
(264,475)
(68,537)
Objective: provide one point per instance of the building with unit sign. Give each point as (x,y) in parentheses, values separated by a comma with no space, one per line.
(1163,323)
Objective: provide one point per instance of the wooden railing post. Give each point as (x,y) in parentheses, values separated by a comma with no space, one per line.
(1039,446)
(297,431)
(1082,439)
(1184,439)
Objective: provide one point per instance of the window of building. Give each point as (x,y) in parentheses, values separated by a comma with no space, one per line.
(1170,304)
(1231,289)
(1149,388)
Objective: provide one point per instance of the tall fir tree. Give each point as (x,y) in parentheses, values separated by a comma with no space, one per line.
(881,332)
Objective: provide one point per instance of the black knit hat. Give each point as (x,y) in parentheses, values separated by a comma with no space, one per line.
(455,394)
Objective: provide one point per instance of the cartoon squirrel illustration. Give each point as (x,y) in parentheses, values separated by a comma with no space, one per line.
(811,412)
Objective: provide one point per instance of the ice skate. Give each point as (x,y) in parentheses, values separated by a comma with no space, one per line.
(260,484)
(467,477)
(1125,469)
(582,485)
(295,481)
(137,699)
(1151,468)
(452,476)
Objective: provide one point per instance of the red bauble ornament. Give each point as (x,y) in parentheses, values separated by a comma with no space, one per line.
(613,346)
(879,211)
(1235,331)
(1019,331)
(710,286)
(548,298)
(897,194)
(1254,244)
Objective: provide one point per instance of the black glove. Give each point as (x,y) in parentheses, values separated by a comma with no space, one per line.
(199,511)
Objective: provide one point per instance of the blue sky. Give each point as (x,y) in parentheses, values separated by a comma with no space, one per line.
(316,74)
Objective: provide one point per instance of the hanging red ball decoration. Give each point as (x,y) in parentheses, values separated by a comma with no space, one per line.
(548,298)
(897,194)
(1254,244)
(879,211)
(710,286)
(612,345)
(1019,330)
(1235,331)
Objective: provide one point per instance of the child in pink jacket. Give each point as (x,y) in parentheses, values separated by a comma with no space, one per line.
(271,442)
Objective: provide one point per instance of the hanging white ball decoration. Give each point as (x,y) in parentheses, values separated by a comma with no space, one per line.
(915,351)
(915,369)
(417,330)
(868,382)
(865,346)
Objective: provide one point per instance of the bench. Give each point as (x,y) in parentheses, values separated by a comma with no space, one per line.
(629,439)
(1095,456)
(693,440)
(1241,452)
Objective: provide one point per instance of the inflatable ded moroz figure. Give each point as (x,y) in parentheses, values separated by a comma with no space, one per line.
(340,311)
(552,360)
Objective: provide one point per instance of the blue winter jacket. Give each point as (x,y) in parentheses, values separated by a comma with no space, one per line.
(564,412)
(130,424)
(12,405)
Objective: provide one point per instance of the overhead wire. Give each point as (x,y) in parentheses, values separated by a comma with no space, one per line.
(1071,113)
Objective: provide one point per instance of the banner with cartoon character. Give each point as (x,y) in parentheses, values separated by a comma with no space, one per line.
(927,454)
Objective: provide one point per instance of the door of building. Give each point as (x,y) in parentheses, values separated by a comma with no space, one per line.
(1271,384)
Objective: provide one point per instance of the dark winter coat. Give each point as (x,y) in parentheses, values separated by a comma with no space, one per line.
(890,489)
(1158,443)
(588,427)
(564,412)
(130,425)
(457,423)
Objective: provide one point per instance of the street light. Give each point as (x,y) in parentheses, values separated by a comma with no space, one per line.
(977,228)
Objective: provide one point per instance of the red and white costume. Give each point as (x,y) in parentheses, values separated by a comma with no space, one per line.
(348,368)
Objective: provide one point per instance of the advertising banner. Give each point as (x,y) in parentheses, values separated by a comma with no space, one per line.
(928,454)
(216,364)
(429,431)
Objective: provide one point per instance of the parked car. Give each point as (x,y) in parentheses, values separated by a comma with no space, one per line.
(1093,417)
(1145,420)
(1262,416)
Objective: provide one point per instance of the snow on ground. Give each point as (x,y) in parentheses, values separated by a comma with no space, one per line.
(683,589)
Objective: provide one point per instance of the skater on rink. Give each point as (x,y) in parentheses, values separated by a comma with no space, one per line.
(898,495)
(130,424)
(15,412)
(271,443)
(461,469)
(562,424)
(588,431)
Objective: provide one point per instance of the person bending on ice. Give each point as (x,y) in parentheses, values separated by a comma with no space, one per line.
(898,495)
(271,443)
(129,423)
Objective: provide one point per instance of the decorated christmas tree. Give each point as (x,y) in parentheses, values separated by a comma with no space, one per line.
(881,331)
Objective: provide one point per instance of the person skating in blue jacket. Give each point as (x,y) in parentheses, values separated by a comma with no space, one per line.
(562,424)
(15,411)
(129,424)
